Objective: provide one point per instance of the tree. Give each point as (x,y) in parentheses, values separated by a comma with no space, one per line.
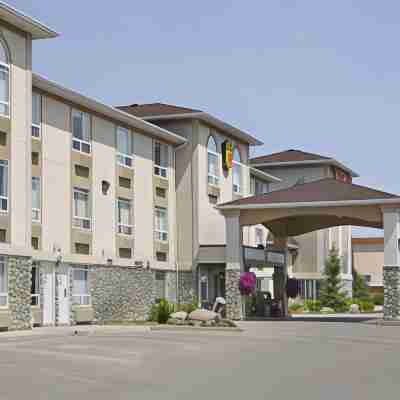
(331,294)
(360,287)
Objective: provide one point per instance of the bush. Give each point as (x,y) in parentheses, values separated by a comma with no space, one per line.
(365,305)
(296,307)
(378,299)
(313,305)
(187,307)
(160,312)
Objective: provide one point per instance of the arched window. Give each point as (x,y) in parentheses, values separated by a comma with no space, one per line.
(237,171)
(212,160)
(4,80)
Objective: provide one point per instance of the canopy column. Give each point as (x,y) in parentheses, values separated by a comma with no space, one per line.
(281,274)
(234,265)
(391,268)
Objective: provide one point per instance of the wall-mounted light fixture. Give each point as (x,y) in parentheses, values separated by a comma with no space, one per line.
(105,186)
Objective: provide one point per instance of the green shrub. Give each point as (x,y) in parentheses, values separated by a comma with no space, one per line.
(160,312)
(313,305)
(296,307)
(187,307)
(343,307)
(378,299)
(365,305)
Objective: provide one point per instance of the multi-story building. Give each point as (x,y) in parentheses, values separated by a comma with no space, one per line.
(87,198)
(295,167)
(201,183)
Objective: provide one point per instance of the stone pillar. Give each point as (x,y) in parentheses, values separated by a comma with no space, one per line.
(281,243)
(19,292)
(391,269)
(234,265)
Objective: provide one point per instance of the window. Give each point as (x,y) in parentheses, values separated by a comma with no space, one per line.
(124,182)
(4,81)
(3,185)
(161,223)
(82,214)
(36,115)
(160,159)
(3,235)
(259,237)
(35,242)
(124,216)
(81,132)
(35,158)
(260,187)
(237,171)
(204,288)
(3,138)
(212,160)
(125,252)
(124,147)
(82,248)
(35,286)
(80,287)
(3,283)
(35,199)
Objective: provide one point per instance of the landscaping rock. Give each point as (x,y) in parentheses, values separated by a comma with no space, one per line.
(203,315)
(355,309)
(181,315)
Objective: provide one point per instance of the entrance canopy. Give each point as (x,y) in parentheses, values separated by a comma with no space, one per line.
(311,206)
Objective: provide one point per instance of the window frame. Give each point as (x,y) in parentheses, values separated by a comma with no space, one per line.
(81,296)
(5,277)
(79,141)
(161,235)
(5,164)
(121,227)
(159,170)
(212,179)
(77,218)
(35,297)
(37,127)
(237,188)
(122,158)
(37,211)
(7,69)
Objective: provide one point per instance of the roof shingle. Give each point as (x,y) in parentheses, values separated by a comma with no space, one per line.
(288,156)
(155,109)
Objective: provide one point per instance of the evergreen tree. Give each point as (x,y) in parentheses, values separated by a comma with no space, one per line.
(360,287)
(331,294)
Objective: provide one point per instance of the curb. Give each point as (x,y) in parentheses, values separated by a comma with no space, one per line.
(383,322)
(185,328)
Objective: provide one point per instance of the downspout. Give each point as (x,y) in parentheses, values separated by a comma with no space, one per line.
(181,146)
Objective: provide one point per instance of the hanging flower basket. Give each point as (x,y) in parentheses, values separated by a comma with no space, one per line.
(247,283)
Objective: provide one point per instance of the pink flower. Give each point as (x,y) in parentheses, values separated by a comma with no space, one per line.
(247,283)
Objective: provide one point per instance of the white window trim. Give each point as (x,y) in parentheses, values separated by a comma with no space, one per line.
(124,157)
(77,140)
(160,168)
(240,186)
(8,182)
(122,226)
(36,211)
(8,115)
(159,232)
(81,141)
(165,169)
(38,126)
(213,177)
(81,296)
(78,218)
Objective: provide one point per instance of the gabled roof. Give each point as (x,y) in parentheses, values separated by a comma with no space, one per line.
(25,23)
(162,111)
(41,83)
(294,157)
(152,109)
(367,240)
(317,193)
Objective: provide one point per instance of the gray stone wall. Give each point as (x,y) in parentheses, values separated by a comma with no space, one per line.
(186,292)
(170,286)
(19,292)
(232,295)
(121,293)
(391,283)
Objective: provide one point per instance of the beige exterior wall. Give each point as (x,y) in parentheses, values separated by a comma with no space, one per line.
(368,260)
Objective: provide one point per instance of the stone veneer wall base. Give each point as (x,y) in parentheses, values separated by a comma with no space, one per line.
(186,284)
(232,295)
(391,284)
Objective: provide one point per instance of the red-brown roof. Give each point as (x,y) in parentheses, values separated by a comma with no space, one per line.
(324,190)
(156,109)
(288,156)
(367,240)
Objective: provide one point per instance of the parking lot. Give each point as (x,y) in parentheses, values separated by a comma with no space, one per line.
(279,360)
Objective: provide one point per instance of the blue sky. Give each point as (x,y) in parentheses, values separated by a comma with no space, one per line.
(321,76)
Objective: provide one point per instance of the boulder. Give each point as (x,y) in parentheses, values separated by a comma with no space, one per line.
(203,315)
(355,309)
(181,315)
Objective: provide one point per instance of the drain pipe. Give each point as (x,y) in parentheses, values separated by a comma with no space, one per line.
(181,146)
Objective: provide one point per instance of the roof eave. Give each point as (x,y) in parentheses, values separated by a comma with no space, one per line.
(235,132)
(263,175)
(51,87)
(308,204)
(329,161)
(24,22)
